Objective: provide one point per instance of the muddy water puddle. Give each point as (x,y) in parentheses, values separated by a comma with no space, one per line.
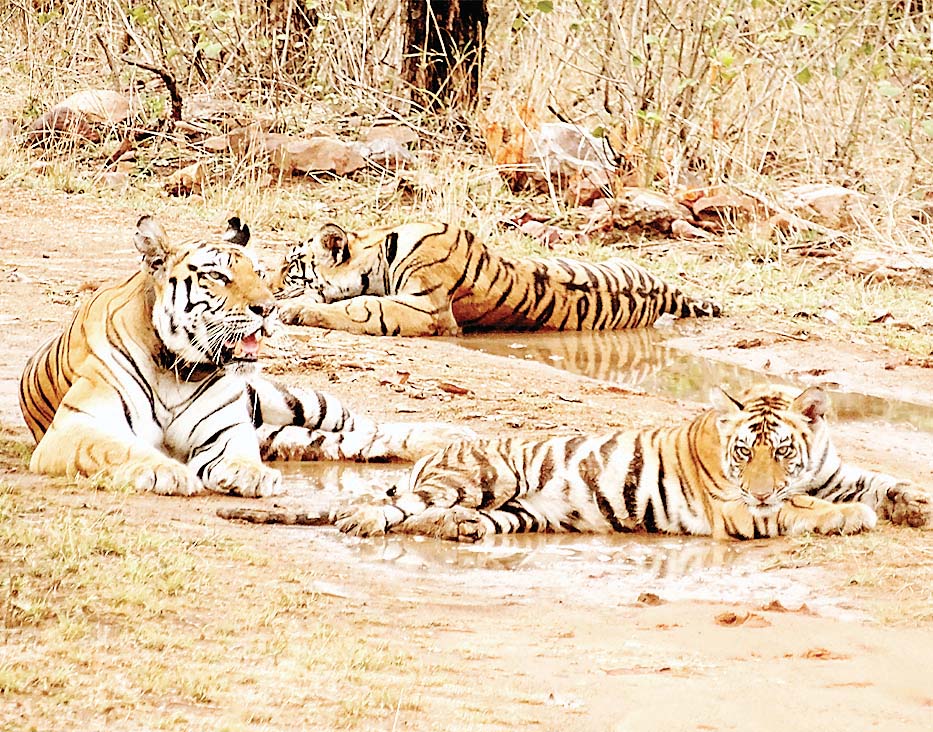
(590,569)
(638,359)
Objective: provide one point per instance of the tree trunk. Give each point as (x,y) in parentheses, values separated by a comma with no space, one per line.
(444,42)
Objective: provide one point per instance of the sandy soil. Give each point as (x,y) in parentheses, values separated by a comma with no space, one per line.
(542,634)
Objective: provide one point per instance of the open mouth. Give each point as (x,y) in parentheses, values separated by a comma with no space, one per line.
(243,349)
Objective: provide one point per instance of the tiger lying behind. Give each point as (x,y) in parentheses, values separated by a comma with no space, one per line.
(154,383)
(435,279)
(759,466)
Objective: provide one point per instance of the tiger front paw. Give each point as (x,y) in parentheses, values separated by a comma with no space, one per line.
(365,520)
(456,523)
(434,436)
(909,506)
(847,518)
(164,477)
(244,478)
(295,312)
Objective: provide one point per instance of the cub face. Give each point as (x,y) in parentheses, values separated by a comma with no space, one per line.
(211,302)
(768,437)
(332,265)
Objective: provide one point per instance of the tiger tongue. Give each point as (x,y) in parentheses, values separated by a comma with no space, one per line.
(248,347)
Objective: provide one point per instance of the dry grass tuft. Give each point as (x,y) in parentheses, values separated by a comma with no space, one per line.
(889,576)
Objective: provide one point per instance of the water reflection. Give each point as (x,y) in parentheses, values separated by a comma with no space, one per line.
(639,359)
(597,569)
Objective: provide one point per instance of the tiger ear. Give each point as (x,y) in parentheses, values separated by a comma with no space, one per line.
(813,403)
(152,242)
(237,232)
(723,402)
(334,240)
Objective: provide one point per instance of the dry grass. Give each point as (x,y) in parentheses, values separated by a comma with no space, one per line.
(763,97)
(887,574)
(106,622)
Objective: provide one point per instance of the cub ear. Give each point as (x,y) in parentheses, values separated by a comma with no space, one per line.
(723,402)
(237,232)
(151,241)
(335,240)
(813,403)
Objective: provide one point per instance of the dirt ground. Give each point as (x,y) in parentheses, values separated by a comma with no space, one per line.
(527,635)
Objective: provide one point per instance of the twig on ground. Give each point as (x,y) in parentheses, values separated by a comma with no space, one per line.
(167,79)
(273,516)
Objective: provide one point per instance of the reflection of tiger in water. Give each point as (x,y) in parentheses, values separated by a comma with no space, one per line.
(434,279)
(756,467)
(154,383)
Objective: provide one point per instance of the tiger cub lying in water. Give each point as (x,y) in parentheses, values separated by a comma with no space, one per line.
(435,279)
(758,466)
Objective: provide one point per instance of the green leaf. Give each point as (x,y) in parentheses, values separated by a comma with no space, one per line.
(726,58)
(805,30)
(599,132)
(804,75)
(518,23)
(841,67)
(887,89)
(545,6)
(903,124)
(213,50)
(927,126)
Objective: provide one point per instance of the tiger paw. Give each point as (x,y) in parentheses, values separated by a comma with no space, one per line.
(297,313)
(434,436)
(361,520)
(244,478)
(165,477)
(452,524)
(850,518)
(909,506)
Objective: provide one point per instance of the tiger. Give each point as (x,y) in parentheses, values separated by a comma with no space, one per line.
(155,382)
(436,279)
(754,466)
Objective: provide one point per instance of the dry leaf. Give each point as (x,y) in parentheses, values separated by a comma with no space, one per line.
(748,343)
(823,654)
(452,388)
(752,620)
(775,606)
(649,598)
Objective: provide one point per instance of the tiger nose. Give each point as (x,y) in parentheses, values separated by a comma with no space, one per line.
(263,309)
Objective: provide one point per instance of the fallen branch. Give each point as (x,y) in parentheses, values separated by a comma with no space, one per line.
(273,516)
(167,79)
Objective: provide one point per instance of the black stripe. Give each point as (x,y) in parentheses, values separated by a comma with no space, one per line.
(632,478)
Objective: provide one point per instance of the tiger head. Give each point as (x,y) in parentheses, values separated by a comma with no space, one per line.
(773,439)
(332,265)
(211,304)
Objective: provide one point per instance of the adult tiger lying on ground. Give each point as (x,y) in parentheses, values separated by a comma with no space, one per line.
(163,365)
(758,466)
(435,279)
